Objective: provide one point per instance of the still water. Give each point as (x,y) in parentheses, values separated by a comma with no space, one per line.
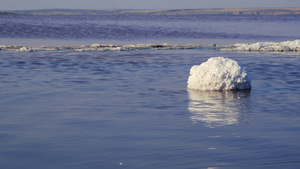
(120,30)
(132,110)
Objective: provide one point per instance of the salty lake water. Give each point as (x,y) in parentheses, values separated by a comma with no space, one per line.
(132,110)
(119,30)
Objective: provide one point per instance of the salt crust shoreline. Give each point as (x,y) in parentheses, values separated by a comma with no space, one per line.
(99,47)
(259,46)
(266,46)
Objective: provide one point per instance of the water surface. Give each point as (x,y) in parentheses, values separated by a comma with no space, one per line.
(131,109)
(119,30)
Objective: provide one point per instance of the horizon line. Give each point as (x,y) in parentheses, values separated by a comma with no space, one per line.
(148,9)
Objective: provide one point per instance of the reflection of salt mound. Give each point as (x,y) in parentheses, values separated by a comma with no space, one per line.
(217,108)
(267,46)
(219,73)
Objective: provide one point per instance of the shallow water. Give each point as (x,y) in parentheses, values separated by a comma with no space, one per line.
(120,30)
(131,109)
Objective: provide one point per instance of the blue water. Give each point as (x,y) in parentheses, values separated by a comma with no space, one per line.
(147,29)
(132,110)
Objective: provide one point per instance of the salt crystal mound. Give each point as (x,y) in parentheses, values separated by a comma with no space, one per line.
(219,73)
(267,46)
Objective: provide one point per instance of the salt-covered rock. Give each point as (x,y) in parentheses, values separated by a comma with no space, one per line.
(2,47)
(95,45)
(25,49)
(219,73)
(116,48)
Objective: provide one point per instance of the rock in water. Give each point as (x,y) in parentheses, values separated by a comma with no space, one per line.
(219,73)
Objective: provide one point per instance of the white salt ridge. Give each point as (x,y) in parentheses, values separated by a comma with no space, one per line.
(25,49)
(267,46)
(99,47)
(219,73)
(259,46)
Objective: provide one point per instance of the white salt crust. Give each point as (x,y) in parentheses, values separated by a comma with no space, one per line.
(267,46)
(219,73)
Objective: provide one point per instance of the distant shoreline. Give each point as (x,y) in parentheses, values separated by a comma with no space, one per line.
(218,11)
